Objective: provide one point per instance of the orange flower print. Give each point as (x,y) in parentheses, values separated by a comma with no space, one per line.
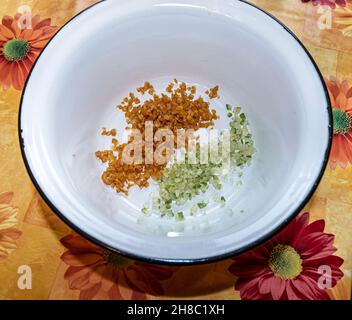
(343,289)
(20,46)
(343,19)
(103,275)
(341,100)
(8,219)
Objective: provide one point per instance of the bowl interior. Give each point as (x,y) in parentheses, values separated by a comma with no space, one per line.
(111,49)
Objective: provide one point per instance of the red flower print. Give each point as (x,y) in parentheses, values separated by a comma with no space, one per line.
(331,3)
(103,275)
(341,100)
(287,266)
(20,46)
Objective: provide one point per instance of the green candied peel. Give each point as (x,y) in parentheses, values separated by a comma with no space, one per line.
(222,201)
(183,181)
(241,142)
(145,210)
(180,216)
(202,205)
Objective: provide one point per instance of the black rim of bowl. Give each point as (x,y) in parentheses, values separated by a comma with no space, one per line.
(215,258)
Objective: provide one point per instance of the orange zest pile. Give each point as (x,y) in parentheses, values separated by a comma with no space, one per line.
(178,108)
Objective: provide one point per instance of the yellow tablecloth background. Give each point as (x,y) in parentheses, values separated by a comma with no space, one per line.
(39,245)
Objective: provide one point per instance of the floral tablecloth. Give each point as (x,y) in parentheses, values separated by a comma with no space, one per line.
(41,258)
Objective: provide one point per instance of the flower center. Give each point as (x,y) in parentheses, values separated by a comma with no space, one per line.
(285,262)
(116,260)
(16,49)
(342,121)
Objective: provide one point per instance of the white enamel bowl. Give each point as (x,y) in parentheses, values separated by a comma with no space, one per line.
(113,47)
